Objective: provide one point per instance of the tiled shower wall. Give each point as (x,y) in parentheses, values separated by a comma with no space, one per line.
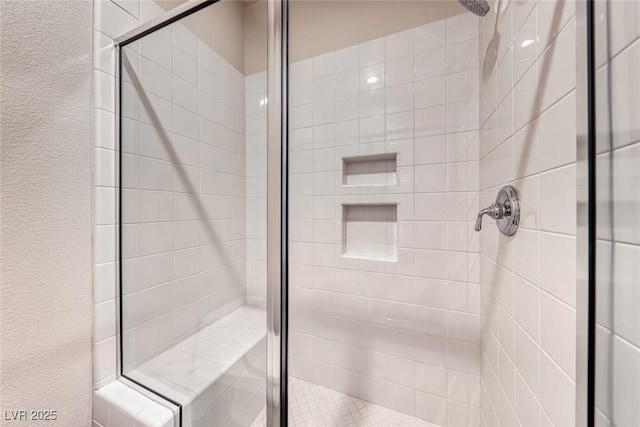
(528,139)
(404,331)
(114,403)
(618,192)
(111,20)
(183,201)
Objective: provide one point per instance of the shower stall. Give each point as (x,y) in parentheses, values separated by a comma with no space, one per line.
(412,213)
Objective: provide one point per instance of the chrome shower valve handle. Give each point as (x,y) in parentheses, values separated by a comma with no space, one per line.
(505,211)
(495,211)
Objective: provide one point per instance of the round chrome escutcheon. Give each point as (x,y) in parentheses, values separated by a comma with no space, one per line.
(509,198)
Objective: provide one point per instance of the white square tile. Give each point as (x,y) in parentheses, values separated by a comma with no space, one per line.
(347,82)
(462,27)
(347,59)
(525,99)
(372,77)
(430,121)
(431,63)
(549,13)
(430,178)
(462,116)
(554,191)
(113,20)
(558,124)
(431,408)
(372,52)
(105,168)
(562,59)
(324,88)
(302,70)
(323,112)
(430,92)
(525,47)
(324,65)
(104,91)
(430,36)
(463,388)
(557,332)
(399,98)
(371,103)
(400,125)
(462,56)
(399,44)
(557,392)
(399,71)
(372,129)
(462,87)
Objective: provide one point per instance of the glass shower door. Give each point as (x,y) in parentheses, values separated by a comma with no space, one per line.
(193,212)
(406,119)
(617,308)
(384,279)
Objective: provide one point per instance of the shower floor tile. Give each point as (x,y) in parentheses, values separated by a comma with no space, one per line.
(311,405)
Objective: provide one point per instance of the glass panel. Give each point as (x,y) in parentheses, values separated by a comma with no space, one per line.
(193,213)
(618,213)
(412,316)
(384,264)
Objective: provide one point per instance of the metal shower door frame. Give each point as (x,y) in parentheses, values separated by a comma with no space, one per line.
(586,215)
(277,213)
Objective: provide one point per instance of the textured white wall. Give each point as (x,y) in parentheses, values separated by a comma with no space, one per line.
(45,321)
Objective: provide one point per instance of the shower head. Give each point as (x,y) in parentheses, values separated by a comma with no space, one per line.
(477,7)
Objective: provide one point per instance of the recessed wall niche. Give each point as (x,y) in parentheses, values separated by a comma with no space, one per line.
(378,169)
(370,231)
